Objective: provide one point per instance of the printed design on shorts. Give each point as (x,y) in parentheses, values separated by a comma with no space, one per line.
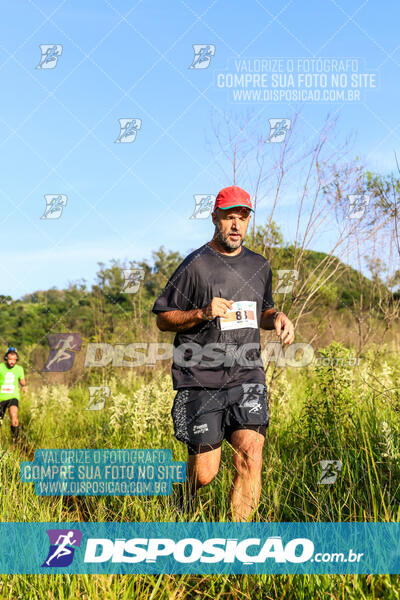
(200,428)
(179,415)
(253,394)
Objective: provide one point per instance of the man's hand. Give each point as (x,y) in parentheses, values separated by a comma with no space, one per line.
(218,307)
(284,329)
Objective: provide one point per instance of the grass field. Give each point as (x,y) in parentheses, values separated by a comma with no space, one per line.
(330,411)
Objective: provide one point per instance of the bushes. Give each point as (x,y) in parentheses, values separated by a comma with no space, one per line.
(329,406)
(144,417)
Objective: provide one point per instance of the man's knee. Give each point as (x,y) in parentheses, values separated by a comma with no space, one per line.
(203,477)
(202,468)
(248,449)
(248,463)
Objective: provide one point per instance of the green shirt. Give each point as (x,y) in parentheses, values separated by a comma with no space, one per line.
(9,378)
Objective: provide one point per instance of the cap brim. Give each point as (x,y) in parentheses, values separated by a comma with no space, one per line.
(235,206)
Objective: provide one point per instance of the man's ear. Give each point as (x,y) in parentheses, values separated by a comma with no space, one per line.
(214,217)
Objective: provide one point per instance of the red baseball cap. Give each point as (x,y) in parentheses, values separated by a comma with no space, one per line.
(233,196)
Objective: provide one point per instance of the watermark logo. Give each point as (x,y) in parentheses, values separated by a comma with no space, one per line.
(202,55)
(190,354)
(334,361)
(286,280)
(98,396)
(100,472)
(298,79)
(63,543)
(278,129)
(358,204)
(50,55)
(132,277)
(252,394)
(128,130)
(62,351)
(203,205)
(54,206)
(190,550)
(330,471)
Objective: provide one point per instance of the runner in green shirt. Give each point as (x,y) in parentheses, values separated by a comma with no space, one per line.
(11,377)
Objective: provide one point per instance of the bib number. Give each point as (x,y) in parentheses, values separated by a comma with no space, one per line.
(7,389)
(242,314)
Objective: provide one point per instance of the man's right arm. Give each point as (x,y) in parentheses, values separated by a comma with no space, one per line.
(181,320)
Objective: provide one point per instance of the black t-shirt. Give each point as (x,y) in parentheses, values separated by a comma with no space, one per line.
(216,354)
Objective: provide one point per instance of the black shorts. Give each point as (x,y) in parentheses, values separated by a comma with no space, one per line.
(4,404)
(203,418)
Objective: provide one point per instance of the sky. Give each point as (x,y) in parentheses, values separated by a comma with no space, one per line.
(106,113)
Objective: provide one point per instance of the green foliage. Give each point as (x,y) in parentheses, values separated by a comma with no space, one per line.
(328,393)
(384,188)
(100,311)
(264,238)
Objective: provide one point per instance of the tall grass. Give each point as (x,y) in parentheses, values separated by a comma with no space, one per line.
(326,411)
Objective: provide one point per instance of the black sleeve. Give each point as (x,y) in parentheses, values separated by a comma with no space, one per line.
(178,294)
(268,300)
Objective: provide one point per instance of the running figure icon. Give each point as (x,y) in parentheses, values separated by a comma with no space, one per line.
(62,549)
(62,351)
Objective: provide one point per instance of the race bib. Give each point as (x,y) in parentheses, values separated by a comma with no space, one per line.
(242,314)
(7,389)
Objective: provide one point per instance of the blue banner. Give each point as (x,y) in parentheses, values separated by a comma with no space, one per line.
(196,548)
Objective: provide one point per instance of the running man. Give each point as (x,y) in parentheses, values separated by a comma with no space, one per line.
(216,301)
(11,378)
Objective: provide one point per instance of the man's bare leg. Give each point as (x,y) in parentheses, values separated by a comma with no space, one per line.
(13,410)
(201,470)
(246,488)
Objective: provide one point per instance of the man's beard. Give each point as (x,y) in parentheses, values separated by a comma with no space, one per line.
(225,242)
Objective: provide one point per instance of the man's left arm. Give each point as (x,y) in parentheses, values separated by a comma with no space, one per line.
(22,383)
(272,318)
(281,323)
